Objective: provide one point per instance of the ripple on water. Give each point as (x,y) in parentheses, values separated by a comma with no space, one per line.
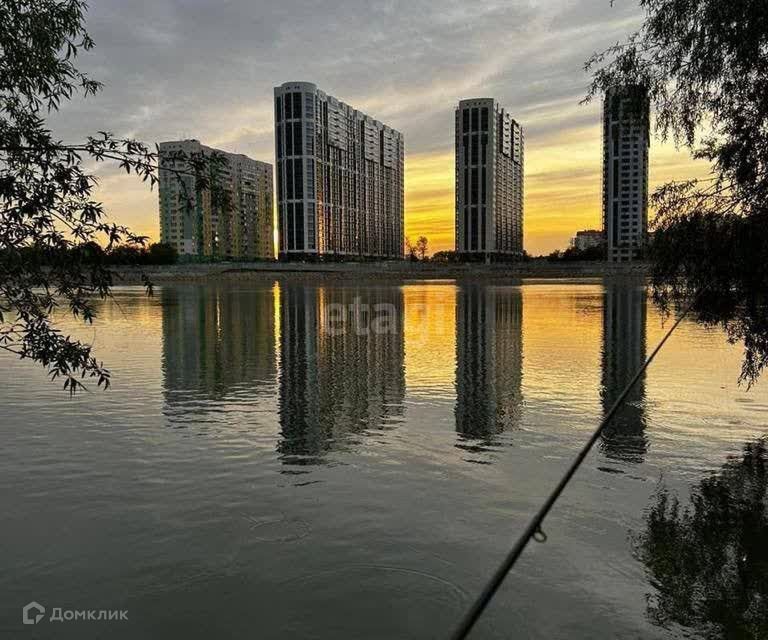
(276,528)
(347,602)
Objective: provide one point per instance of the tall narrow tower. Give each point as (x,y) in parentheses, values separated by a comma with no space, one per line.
(626,142)
(489,181)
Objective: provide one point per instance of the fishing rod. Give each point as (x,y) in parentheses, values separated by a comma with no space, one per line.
(534,530)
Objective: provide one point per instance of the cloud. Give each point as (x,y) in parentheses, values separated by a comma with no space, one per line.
(205,69)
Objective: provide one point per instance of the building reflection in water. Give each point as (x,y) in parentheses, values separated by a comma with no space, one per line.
(489,362)
(218,341)
(624,353)
(341,367)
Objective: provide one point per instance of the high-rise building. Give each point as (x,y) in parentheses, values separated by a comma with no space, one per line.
(626,142)
(339,178)
(489,180)
(196,224)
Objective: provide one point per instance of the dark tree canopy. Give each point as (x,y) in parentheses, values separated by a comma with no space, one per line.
(422,246)
(50,224)
(704,65)
(708,562)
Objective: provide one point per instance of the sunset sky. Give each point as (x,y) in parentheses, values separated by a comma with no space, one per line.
(201,69)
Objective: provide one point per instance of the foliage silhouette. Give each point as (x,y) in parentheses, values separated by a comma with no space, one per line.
(704,64)
(708,562)
(51,229)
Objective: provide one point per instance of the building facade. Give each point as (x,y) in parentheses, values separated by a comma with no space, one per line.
(626,143)
(589,239)
(340,187)
(196,225)
(489,180)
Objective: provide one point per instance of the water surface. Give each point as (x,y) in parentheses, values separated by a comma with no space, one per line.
(318,458)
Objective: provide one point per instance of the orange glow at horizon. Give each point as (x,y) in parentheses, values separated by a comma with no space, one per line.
(562,190)
(430,199)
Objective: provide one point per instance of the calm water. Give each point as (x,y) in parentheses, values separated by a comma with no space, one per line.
(315,459)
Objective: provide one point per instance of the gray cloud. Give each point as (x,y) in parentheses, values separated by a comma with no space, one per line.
(206,69)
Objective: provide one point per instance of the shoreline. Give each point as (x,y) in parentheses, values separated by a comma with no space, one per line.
(129,275)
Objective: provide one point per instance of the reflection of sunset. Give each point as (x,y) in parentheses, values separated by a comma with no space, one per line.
(139,309)
(562,339)
(430,335)
(276,298)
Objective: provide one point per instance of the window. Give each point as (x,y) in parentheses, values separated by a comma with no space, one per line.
(309,105)
(297,105)
(473,229)
(289,139)
(299,176)
(299,215)
(310,229)
(465,245)
(482,229)
(310,179)
(297,150)
(291,227)
(309,137)
(289,179)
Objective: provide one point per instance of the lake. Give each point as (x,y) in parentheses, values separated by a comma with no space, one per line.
(325,458)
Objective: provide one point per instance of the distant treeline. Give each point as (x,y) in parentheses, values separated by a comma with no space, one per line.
(459,258)
(572,254)
(93,253)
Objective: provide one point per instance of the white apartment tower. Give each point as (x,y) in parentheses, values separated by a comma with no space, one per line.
(489,180)
(626,142)
(339,178)
(243,231)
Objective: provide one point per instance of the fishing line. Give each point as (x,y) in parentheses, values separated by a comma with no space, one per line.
(534,530)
